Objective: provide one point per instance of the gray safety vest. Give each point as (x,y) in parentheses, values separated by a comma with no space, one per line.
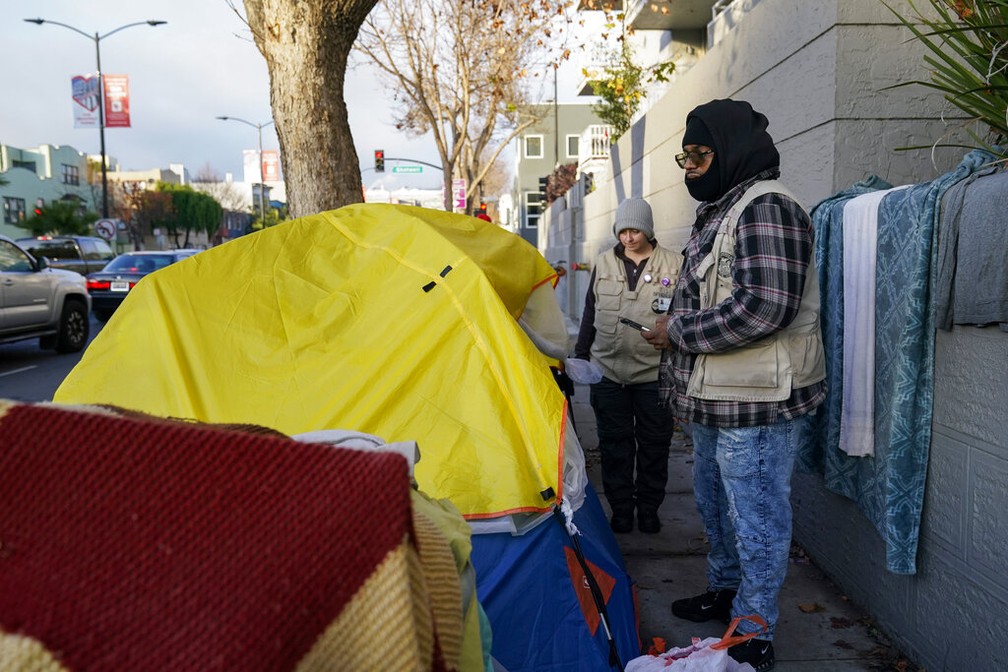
(623,355)
(770,368)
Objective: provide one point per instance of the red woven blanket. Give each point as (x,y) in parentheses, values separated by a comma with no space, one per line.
(128,544)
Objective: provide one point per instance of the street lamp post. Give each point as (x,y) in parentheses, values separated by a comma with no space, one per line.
(262,185)
(101,90)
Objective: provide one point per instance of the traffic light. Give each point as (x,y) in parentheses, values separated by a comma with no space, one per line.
(482,208)
(379,160)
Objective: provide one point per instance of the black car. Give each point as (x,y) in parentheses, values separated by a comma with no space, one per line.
(109,286)
(81,254)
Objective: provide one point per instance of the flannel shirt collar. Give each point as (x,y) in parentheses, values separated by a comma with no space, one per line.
(705,209)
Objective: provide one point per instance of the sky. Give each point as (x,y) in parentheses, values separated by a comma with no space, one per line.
(182,75)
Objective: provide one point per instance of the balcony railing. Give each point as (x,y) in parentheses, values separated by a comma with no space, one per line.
(593,154)
(595,142)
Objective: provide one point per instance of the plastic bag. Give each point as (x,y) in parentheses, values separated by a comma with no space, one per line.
(703,655)
(582,371)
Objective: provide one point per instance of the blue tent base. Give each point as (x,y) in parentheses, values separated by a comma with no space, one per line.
(525,586)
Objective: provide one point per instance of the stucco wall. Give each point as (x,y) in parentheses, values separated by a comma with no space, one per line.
(947,615)
(820,73)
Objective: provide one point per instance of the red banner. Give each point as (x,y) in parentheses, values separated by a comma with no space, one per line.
(117,109)
(271,165)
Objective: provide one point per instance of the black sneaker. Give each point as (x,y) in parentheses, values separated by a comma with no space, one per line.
(712,605)
(757,652)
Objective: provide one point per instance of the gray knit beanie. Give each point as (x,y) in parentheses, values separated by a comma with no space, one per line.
(634,213)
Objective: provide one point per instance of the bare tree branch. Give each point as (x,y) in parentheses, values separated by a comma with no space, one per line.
(460,70)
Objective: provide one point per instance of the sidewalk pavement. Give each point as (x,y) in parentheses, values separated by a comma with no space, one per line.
(819,629)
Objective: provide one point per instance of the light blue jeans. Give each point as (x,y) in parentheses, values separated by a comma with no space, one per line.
(742,483)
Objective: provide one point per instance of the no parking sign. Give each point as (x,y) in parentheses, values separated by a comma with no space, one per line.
(105,228)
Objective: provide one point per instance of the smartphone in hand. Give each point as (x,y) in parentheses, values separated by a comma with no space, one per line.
(636,325)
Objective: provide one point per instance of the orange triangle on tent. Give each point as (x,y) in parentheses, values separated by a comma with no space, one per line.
(605,583)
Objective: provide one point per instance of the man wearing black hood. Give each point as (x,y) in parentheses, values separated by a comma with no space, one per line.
(742,362)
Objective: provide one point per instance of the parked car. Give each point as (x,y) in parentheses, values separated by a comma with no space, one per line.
(83,254)
(37,301)
(109,286)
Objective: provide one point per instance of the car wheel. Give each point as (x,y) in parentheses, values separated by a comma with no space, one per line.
(103,315)
(74,328)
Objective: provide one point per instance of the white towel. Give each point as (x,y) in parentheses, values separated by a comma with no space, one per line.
(860,238)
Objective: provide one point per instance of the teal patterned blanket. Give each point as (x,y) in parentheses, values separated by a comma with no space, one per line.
(889,486)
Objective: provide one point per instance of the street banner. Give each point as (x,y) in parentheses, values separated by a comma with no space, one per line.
(117,105)
(84,89)
(271,165)
(85,101)
(250,165)
(459,193)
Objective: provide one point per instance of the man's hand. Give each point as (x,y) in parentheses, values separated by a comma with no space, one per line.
(658,337)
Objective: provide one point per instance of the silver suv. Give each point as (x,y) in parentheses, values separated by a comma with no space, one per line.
(37,301)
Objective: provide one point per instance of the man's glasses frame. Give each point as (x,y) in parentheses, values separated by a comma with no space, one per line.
(695,157)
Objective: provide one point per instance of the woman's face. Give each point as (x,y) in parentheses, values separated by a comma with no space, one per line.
(634,240)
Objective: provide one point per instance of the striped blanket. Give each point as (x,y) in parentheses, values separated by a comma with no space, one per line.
(150,544)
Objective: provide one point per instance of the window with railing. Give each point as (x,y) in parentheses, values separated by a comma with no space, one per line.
(594,143)
(719,6)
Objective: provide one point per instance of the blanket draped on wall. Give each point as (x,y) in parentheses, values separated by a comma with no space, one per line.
(972,284)
(888,487)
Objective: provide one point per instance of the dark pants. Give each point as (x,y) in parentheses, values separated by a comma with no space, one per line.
(634,432)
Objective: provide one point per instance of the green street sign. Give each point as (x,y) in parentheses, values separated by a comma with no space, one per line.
(407,169)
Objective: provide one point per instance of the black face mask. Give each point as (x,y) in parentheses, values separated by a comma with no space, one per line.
(707,187)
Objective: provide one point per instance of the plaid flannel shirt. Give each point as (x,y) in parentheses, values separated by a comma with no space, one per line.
(772,253)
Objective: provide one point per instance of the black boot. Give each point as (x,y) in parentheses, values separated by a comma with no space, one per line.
(647,521)
(622,520)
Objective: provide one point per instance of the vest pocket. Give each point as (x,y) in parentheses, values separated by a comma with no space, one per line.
(752,373)
(607,305)
(809,360)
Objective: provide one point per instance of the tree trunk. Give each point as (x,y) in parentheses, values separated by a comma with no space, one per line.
(306,44)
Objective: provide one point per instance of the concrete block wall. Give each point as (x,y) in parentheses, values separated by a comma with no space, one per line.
(822,73)
(947,615)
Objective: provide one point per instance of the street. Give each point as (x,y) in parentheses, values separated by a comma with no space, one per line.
(29,373)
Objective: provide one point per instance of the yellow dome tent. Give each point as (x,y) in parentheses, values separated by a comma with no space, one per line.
(392,320)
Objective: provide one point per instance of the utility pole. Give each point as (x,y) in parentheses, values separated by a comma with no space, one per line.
(101,90)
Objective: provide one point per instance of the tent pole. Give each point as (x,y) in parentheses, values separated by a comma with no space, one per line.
(593,587)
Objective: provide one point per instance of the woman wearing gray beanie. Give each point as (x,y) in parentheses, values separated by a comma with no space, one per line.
(631,281)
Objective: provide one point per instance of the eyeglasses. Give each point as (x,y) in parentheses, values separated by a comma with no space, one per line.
(695,157)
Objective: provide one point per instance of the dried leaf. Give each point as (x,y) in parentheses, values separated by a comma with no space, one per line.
(811,607)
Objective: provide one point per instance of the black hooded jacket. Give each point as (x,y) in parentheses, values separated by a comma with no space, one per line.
(742,146)
(773,249)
